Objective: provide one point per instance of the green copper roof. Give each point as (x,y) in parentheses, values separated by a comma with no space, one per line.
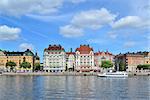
(28,53)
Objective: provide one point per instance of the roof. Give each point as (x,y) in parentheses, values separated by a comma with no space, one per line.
(84,49)
(101,53)
(69,53)
(140,53)
(14,53)
(55,47)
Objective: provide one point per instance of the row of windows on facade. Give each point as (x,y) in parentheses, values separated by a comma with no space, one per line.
(54,52)
(66,58)
(77,62)
(62,55)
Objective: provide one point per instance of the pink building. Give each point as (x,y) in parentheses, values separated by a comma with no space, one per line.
(102,56)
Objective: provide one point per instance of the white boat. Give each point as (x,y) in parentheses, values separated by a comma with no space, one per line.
(114,74)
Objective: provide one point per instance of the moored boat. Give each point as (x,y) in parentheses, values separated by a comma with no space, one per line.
(114,74)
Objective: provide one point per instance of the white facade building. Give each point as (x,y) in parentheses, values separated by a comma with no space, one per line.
(54,59)
(70,61)
(84,59)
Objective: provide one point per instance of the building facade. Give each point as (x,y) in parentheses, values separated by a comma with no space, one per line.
(18,58)
(147,58)
(102,56)
(84,59)
(54,59)
(130,61)
(70,61)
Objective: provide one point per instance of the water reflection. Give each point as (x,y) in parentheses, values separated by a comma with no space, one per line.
(73,88)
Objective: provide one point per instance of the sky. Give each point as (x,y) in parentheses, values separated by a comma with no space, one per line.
(112,25)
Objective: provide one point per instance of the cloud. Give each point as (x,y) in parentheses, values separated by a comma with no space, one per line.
(130,22)
(91,19)
(51,18)
(112,35)
(36,7)
(76,1)
(70,31)
(96,41)
(129,44)
(25,46)
(23,7)
(9,33)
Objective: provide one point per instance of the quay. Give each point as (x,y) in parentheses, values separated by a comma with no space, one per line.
(50,74)
(67,74)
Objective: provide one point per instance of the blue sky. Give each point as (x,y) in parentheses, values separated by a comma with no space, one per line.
(113,25)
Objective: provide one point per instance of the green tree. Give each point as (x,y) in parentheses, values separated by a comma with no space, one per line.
(145,66)
(11,64)
(37,67)
(25,65)
(121,66)
(107,64)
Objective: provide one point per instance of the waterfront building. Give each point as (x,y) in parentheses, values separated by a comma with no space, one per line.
(84,59)
(70,61)
(130,61)
(36,58)
(147,58)
(18,58)
(102,56)
(54,59)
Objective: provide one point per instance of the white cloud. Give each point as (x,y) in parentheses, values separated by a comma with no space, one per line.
(129,44)
(70,31)
(9,33)
(36,7)
(25,46)
(96,41)
(112,35)
(23,7)
(93,19)
(76,1)
(130,22)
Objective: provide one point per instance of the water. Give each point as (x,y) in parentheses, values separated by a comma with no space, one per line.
(74,88)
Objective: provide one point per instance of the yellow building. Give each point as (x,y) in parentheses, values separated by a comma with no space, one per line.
(18,58)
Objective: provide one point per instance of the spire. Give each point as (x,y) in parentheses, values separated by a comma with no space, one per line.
(70,49)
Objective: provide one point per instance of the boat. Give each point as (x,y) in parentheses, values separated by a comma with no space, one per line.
(113,74)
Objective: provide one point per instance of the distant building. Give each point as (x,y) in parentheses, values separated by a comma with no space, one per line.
(54,59)
(84,59)
(130,60)
(18,58)
(36,58)
(102,56)
(147,58)
(70,61)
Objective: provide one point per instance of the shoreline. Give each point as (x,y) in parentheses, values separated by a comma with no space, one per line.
(49,74)
(64,74)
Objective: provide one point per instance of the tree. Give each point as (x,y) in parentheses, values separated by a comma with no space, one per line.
(25,65)
(11,64)
(145,66)
(121,66)
(37,67)
(107,64)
